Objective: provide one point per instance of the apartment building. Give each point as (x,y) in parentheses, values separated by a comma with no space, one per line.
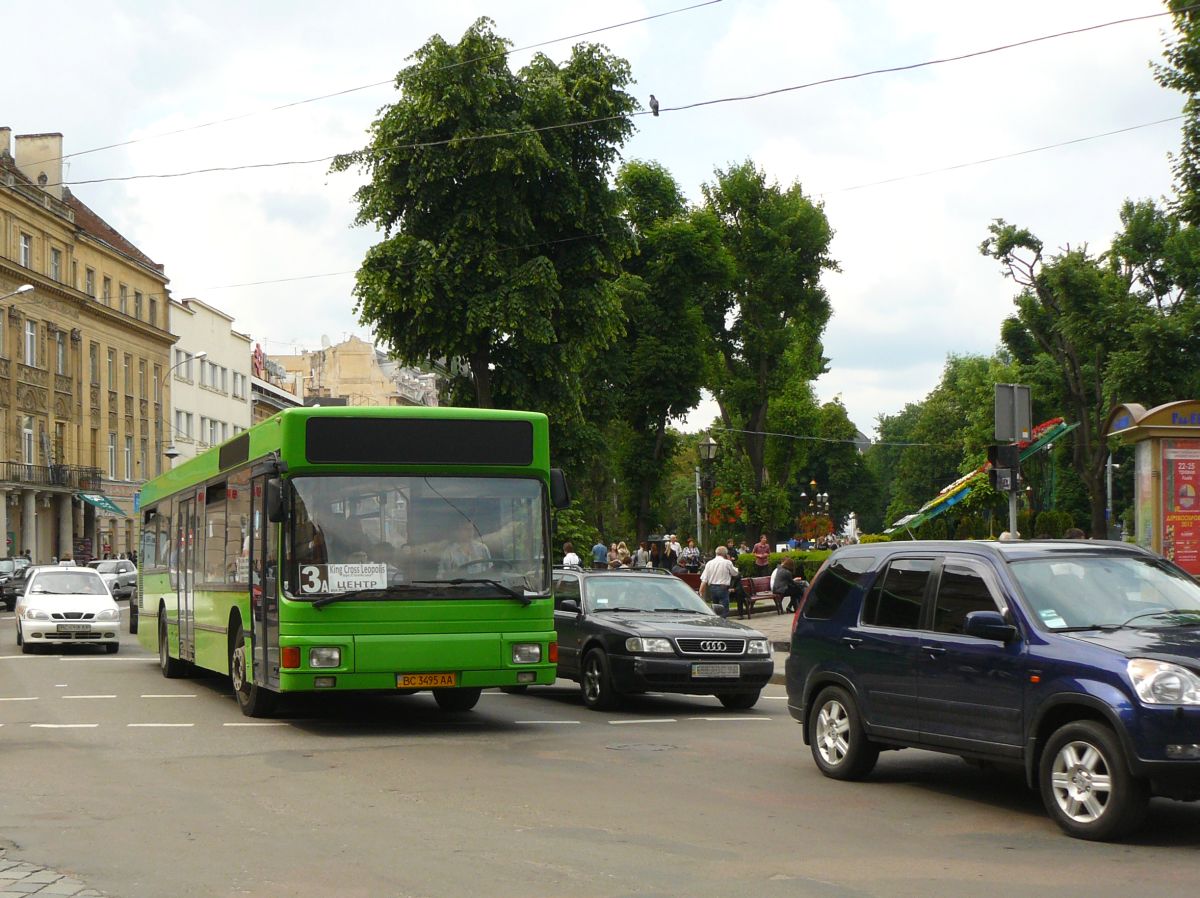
(84,346)
(210,380)
(354,372)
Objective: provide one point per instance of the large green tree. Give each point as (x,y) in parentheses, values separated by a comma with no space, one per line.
(774,311)
(501,234)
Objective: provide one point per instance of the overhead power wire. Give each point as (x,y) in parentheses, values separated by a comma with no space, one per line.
(740,98)
(795,436)
(373,84)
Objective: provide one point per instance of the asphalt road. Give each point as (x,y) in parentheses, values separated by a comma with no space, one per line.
(141,786)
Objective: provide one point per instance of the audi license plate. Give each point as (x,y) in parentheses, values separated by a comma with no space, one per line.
(710,671)
(74,628)
(426,681)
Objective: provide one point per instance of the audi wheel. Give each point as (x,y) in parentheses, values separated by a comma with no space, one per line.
(740,701)
(596,683)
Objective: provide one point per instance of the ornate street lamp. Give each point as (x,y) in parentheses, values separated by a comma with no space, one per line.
(708,454)
(171,452)
(24,288)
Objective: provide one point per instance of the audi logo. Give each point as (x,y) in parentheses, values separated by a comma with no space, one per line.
(712,645)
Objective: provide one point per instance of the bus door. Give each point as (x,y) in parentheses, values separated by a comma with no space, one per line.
(186,582)
(264,588)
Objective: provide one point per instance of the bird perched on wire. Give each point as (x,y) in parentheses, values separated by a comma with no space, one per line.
(653,105)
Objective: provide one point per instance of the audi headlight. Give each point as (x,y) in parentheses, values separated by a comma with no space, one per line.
(36,614)
(109,614)
(649,644)
(758,647)
(1160,683)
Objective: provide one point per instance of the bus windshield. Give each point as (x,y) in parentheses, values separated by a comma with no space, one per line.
(352,533)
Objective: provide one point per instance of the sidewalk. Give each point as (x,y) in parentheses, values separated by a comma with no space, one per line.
(778,629)
(18,880)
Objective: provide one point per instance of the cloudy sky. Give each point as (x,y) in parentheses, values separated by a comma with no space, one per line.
(912,287)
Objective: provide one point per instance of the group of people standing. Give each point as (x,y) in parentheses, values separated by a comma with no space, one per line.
(668,554)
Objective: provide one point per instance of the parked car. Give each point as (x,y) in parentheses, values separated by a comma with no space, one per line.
(119,573)
(66,605)
(1079,661)
(627,631)
(13,585)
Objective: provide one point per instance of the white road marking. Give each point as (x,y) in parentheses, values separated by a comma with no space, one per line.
(657,720)
(64,726)
(547,721)
(160,724)
(171,695)
(26,698)
(257,724)
(60,685)
(731,718)
(105,658)
(89,696)
(16,657)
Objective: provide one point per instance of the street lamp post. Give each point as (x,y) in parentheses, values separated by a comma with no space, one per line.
(24,288)
(171,452)
(708,454)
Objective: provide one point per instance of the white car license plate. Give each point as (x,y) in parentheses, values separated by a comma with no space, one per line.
(709,671)
(74,628)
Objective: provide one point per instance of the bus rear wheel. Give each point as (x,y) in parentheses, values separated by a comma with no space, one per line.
(457,699)
(251,698)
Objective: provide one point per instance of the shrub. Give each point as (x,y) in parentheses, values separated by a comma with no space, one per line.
(874,538)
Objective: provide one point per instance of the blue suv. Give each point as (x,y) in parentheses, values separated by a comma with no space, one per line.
(1078,660)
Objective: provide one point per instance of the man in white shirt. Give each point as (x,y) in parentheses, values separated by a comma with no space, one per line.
(674,542)
(717,578)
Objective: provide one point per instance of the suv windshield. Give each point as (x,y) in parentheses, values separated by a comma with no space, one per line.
(642,592)
(81,582)
(1090,591)
(350,534)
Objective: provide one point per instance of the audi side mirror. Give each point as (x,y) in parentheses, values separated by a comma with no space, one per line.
(569,605)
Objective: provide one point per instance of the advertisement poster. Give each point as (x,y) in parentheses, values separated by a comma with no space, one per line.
(1181,503)
(1144,523)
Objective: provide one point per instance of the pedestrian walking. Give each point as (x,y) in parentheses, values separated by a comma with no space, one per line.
(762,557)
(599,555)
(716,579)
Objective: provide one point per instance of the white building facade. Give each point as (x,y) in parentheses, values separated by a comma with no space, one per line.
(210,380)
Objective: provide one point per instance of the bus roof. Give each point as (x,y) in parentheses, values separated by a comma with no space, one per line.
(418,438)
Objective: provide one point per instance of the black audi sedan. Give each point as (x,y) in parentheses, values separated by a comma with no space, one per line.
(622,632)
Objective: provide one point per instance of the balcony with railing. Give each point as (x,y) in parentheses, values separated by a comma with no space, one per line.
(71,477)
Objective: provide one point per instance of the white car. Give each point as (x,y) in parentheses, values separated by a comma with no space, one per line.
(119,574)
(65,605)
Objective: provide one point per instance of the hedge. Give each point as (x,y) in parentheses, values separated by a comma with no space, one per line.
(807,561)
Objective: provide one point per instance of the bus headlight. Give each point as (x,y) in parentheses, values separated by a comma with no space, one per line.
(325,656)
(526,653)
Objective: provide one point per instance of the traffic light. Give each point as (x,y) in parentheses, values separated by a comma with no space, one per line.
(1005,467)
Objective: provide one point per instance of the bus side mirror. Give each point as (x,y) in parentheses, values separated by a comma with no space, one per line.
(275,506)
(560,493)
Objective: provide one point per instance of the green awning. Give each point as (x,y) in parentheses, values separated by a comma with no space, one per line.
(103,503)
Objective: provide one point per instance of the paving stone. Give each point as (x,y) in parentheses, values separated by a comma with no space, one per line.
(65,886)
(26,888)
(43,876)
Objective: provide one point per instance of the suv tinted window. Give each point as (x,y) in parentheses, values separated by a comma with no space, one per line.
(896,599)
(835,583)
(961,589)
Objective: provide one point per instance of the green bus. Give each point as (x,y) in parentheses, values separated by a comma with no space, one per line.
(357,549)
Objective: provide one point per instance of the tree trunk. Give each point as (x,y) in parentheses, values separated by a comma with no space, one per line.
(482,376)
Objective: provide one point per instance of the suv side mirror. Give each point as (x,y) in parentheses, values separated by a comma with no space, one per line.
(569,605)
(989,625)
(560,493)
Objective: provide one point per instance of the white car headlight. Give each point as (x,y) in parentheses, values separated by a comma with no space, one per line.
(650,644)
(758,647)
(109,614)
(1161,683)
(36,614)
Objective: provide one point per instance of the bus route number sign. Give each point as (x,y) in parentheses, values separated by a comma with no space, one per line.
(327,578)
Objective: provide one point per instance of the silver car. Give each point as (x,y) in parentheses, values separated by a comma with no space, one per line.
(64,605)
(119,574)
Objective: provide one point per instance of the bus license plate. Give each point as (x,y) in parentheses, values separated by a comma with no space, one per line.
(74,628)
(717,670)
(426,681)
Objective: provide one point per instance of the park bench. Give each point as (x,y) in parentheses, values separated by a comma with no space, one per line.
(692,580)
(757,589)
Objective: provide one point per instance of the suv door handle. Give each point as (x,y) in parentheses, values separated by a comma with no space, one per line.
(933,649)
(852,641)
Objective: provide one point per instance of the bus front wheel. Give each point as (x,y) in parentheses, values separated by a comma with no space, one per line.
(172,668)
(252,699)
(457,699)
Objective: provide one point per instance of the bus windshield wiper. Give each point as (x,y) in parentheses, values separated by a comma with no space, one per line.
(360,595)
(484,581)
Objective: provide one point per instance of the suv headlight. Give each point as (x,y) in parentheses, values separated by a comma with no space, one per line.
(1161,683)
(36,614)
(758,647)
(109,614)
(649,644)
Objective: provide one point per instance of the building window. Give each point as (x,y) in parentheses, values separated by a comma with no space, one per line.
(157,382)
(27,439)
(31,339)
(143,460)
(183,423)
(137,304)
(224,431)
(56,264)
(26,250)
(183,365)
(112,369)
(141,378)
(60,353)
(127,368)
(94,363)
(129,458)
(203,428)
(214,435)
(60,442)
(224,380)
(123,291)
(112,456)
(204,374)
(74,275)
(89,282)
(107,294)
(154,313)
